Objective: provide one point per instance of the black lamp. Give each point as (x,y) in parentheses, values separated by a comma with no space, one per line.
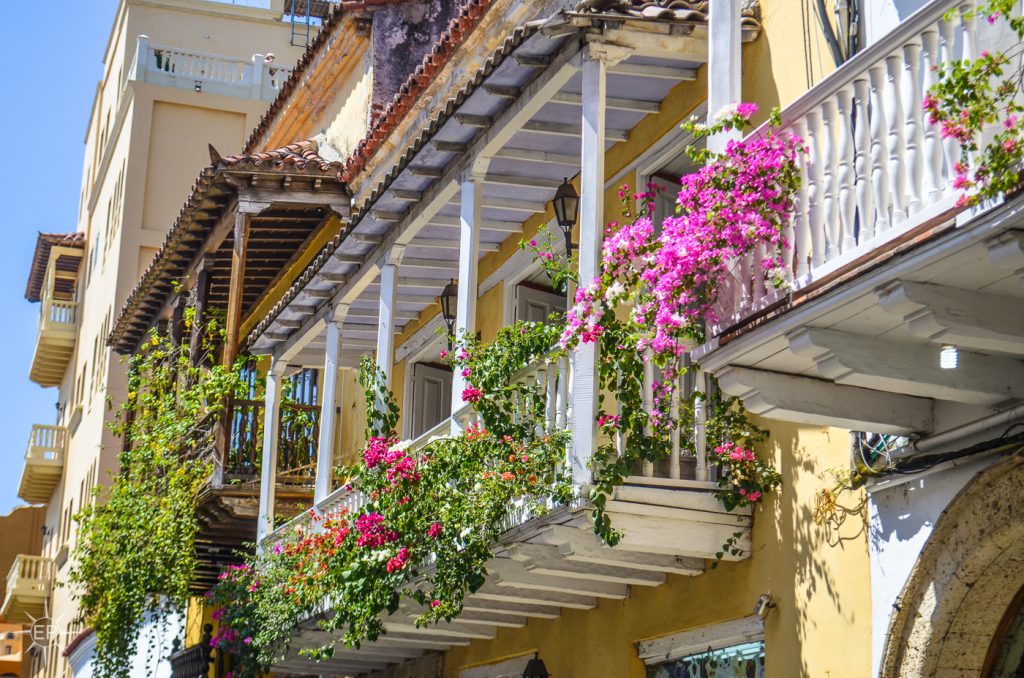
(567,208)
(535,668)
(449,300)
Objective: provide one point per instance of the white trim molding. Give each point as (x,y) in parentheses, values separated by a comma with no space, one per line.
(695,641)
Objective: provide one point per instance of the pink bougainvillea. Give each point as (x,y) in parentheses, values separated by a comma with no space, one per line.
(739,200)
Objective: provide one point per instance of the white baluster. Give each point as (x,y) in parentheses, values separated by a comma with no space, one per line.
(648,404)
(846,179)
(894,122)
(758,290)
(673,460)
(562,410)
(950,147)
(911,88)
(829,209)
(797,232)
(814,189)
(879,155)
(969,51)
(551,396)
(862,160)
(932,145)
(700,425)
(968,25)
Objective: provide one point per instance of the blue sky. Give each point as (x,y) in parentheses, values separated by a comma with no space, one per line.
(54,52)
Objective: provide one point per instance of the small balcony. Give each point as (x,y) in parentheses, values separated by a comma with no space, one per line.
(229,502)
(28,589)
(44,463)
(58,317)
(254,78)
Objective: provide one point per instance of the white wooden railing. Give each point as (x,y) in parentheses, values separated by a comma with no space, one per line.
(253,78)
(551,377)
(46,444)
(29,575)
(876,167)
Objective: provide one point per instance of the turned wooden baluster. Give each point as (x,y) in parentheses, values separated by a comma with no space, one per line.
(845,236)
(815,214)
(911,88)
(894,122)
(932,144)
(862,160)
(797,232)
(879,156)
(829,170)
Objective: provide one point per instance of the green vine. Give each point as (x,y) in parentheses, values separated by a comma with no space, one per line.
(421,540)
(135,558)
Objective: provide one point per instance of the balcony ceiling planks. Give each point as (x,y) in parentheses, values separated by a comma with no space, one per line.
(512,110)
(302,190)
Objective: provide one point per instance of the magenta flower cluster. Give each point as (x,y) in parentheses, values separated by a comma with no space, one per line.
(740,200)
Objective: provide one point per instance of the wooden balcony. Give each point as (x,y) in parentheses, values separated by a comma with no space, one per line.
(44,463)
(58,317)
(672,523)
(228,505)
(28,589)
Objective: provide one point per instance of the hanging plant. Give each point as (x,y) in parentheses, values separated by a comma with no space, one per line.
(422,538)
(134,558)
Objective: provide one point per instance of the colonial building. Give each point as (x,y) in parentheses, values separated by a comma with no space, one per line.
(177,76)
(414,146)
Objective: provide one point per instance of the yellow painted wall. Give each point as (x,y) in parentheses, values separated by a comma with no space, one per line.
(820,628)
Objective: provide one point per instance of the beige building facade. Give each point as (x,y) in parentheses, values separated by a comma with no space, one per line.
(178,76)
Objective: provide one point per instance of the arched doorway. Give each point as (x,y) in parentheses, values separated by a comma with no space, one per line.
(960,610)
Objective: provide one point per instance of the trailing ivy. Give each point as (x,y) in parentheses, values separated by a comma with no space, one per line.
(134,558)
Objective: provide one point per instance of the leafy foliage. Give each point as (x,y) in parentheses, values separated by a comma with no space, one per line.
(977,103)
(422,537)
(134,556)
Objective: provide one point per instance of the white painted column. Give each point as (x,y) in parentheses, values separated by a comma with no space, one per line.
(592,176)
(388,311)
(271,431)
(329,418)
(472,191)
(724,64)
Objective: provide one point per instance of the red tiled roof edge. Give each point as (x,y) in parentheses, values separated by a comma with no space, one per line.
(387,121)
(302,155)
(77,640)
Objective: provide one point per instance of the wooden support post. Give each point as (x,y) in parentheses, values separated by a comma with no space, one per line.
(237,287)
(329,418)
(592,177)
(271,431)
(198,320)
(469,251)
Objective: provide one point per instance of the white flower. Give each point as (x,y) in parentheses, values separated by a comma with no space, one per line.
(726,111)
(616,290)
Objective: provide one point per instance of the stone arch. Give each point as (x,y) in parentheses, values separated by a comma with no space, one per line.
(965,579)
